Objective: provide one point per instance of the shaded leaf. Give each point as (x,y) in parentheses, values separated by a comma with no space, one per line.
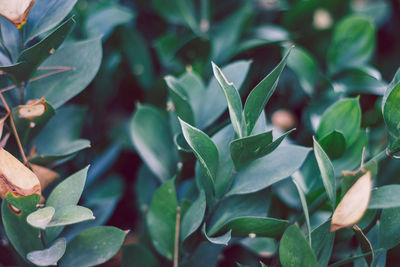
(365,245)
(218,240)
(262,246)
(333,144)
(389,232)
(384,197)
(48,256)
(138,255)
(322,243)
(194,216)
(305,208)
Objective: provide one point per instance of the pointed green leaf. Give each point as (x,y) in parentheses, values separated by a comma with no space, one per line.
(391,114)
(322,243)
(194,216)
(260,95)
(327,172)
(333,144)
(365,245)
(232,98)
(218,240)
(295,251)
(41,217)
(48,256)
(161,219)
(93,247)
(305,208)
(70,215)
(385,197)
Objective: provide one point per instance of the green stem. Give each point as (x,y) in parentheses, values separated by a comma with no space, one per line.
(42,234)
(348,260)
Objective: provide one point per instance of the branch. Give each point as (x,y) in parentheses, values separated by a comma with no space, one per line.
(177,229)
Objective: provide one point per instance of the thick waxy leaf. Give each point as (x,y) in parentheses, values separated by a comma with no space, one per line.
(74,67)
(151,136)
(32,57)
(180,100)
(260,95)
(365,245)
(93,247)
(218,240)
(161,219)
(385,197)
(391,114)
(389,232)
(294,250)
(344,117)
(46,14)
(137,255)
(333,144)
(48,256)
(263,172)
(352,45)
(247,149)
(41,217)
(262,246)
(322,243)
(327,172)
(194,216)
(354,203)
(70,215)
(23,237)
(203,147)
(232,98)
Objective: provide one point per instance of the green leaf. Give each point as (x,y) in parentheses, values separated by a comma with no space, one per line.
(194,216)
(45,15)
(294,250)
(161,219)
(352,45)
(29,128)
(333,144)
(137,255)
(151,136)
(48,256)
(218,240)
(31,58)
(305,67)
(23,237)
(391,114)
(41,217)
(327,172)
(203,147)
(70,215)
(262,246)
(280,164)
(93,247)
(305,208)
(247,149)
(146,184)
(213,102)
(344,117)
(232,98)
(260,95)
(389,232)
(79,62)
(385,197)
(322,244)
(365,244)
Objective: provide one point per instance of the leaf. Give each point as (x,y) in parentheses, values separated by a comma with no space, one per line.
(247,149)
(81,250)
(41,217)
(344,117)
(260,95)
(161,219)
(389,232)
(203,147)
(334,144)
(193,217)
(385,197)
(365,244)
(305,67)
(22,236)
(49,256)
(305,208)
(294,250)
(219,240)
(138,255)
(32,57)
(280,164)
(213,101)
(151,136)
(327,172)
(322,243)
(232,98)
(262,246)
(391,114)
(69,215)
(354,203)
(352,45)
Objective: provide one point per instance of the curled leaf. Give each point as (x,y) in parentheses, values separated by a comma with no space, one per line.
(16,11)
(46,176)
(16,178)
(354,203)
(32,109)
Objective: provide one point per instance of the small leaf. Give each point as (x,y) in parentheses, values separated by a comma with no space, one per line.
(232,98)
(219,240)
(194,216)
(385,197)
(247,149)
(203,147)
(161,219)
(49,256)
(354,203)
(327,172)
(294,250)
(93,247)
(69,215)
(322,243)
(41,217)
(260,95)
(333,144)
(365,245)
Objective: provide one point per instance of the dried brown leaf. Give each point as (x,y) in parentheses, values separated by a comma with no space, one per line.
(32,109)
(46,176)
(16,11)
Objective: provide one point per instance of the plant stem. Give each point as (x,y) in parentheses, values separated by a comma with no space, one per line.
(177,229)
(21,90)
(41,235)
